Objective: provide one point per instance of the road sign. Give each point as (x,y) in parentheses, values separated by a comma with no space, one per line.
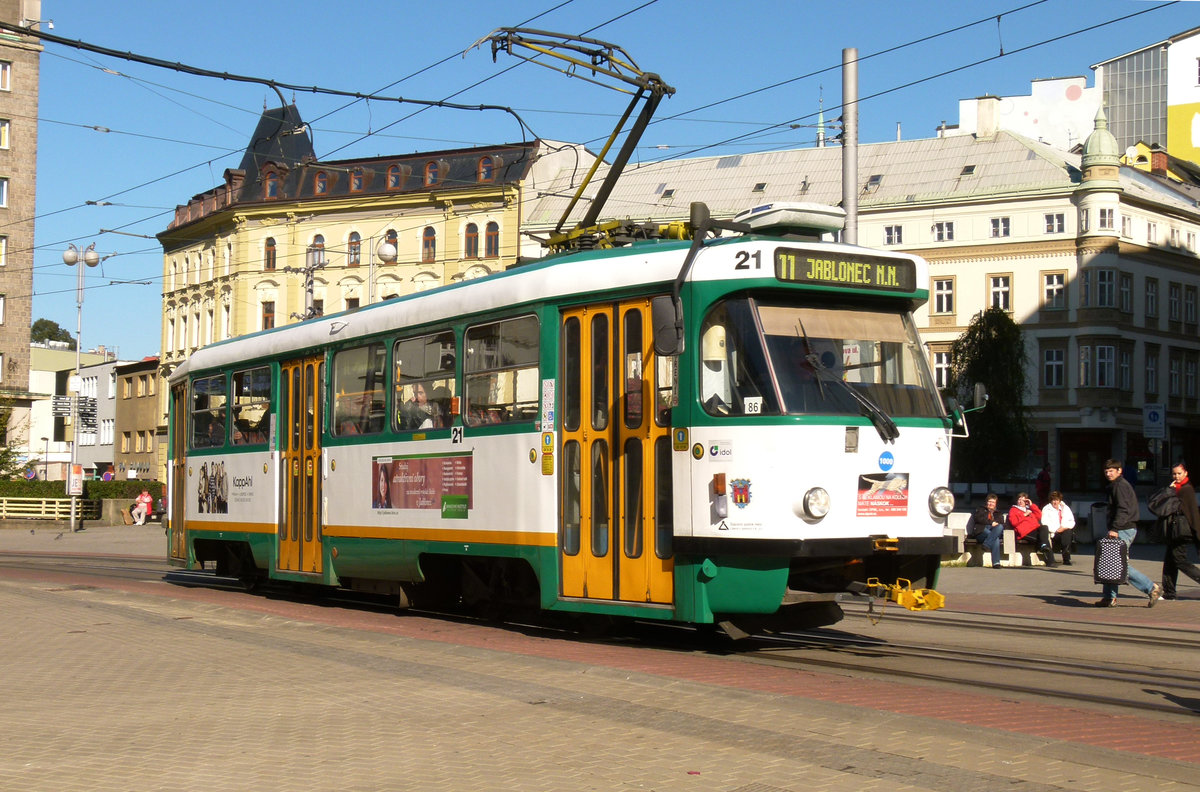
(1154,421)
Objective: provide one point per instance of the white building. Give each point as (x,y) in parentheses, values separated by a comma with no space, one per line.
(1095,260)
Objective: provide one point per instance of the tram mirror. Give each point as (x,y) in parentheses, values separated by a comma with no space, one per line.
(668,335)
(981,395)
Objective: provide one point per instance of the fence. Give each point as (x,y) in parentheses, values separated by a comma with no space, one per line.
(46,509)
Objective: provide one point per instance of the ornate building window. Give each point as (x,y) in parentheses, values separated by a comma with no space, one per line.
(429,245)
(321,183)
(269,255)
(354,250)
(316,251)
(431,173)
(471,242)
(491,245)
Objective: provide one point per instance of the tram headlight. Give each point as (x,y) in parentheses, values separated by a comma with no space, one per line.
(941,502)
(816,503)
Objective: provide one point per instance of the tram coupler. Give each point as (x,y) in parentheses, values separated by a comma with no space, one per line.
(902,593)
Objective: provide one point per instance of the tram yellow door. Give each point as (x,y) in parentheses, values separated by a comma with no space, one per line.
(179,409)
(615,474)
(300,446)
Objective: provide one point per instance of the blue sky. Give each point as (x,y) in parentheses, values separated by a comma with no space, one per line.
(172,135)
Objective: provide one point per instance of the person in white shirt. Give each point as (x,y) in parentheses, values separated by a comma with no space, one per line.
(1060,521)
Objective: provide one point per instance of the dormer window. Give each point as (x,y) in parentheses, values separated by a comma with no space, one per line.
(271,186)
(487,170)
(357,180)
(321,183)
(431,173)
(395,178)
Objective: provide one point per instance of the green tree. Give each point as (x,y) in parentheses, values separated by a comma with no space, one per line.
(11,464)
(991,351)
(43,330)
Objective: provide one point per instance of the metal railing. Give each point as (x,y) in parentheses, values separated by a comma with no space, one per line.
(46,509)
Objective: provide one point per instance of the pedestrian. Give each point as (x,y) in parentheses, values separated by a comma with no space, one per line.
(143,507)
(1176,559)
(986,526)
(1025,518)
(1042,485)
(1121,519)
(1060,524)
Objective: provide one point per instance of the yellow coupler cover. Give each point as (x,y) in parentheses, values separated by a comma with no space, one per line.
(903,593)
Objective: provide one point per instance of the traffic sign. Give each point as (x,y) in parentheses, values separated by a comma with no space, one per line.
(1154,421)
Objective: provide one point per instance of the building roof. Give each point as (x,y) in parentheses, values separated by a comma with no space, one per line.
(931,171)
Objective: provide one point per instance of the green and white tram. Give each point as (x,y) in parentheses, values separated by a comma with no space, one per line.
(739,430)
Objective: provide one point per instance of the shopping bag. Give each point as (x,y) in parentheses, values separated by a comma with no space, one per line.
(1112,561)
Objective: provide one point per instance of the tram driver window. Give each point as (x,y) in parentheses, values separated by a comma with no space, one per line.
(500,373)
(358,390)
(208,412)
(734,376)
(424,383)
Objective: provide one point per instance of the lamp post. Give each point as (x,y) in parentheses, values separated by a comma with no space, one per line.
(91,258)
(46,460)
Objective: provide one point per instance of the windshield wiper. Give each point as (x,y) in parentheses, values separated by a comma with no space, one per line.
(883,423)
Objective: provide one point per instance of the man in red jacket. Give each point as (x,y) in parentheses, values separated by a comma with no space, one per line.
(1025,517)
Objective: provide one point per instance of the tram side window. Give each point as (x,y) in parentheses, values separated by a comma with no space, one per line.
(424,383)
(251,405)
(359,395)
(209,399)
(500,375)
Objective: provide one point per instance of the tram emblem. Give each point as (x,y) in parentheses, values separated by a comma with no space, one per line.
(741,492)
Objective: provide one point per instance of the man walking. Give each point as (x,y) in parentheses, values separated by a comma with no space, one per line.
(1122,524)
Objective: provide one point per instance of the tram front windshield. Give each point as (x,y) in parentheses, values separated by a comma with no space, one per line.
(767,358)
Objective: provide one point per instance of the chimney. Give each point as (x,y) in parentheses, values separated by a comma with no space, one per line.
(986,123)
(1158,162)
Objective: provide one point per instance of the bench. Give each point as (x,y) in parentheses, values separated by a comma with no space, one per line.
(1013,553)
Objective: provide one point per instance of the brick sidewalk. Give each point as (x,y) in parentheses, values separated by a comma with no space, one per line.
(151,686)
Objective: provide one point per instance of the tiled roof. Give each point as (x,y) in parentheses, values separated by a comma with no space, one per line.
(933,170)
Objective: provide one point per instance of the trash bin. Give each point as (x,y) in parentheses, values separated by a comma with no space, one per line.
(1098,520)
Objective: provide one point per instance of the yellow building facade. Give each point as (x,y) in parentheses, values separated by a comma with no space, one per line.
(287,237)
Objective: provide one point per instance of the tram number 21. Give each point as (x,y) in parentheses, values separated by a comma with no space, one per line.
(456,435)
(743,258)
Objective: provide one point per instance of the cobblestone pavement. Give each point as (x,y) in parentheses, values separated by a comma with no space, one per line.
(158,687)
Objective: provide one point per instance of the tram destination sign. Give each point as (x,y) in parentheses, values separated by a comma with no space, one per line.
(854,271)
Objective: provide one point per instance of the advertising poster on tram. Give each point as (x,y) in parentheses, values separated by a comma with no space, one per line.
(883,495)
(441,482)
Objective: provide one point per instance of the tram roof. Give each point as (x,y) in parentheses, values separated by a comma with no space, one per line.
(555,277)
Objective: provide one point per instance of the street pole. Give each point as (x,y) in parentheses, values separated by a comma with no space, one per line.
(46,460)
(74,480)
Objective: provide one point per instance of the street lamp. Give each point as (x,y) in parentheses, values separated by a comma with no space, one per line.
(387,255)
(46,460)
(91,258)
